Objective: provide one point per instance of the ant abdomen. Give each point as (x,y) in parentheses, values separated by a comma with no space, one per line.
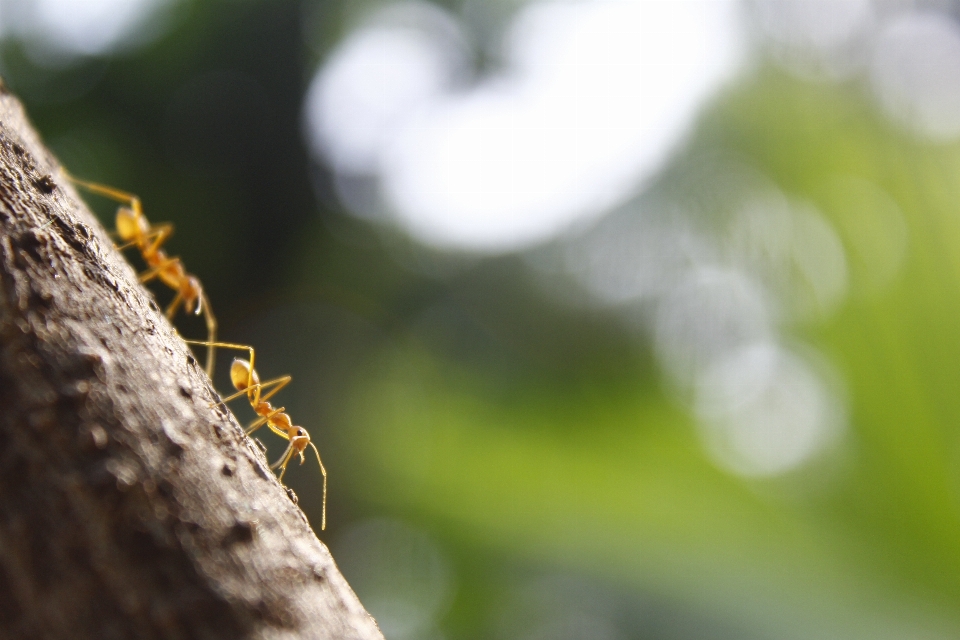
(130,226)
(242,376)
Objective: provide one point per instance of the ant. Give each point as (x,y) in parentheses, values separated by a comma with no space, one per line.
(134,229)
(246,380)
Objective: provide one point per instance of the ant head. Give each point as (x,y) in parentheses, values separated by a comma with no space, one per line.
(300,441)
(241,374)
(192,295)
(130,224)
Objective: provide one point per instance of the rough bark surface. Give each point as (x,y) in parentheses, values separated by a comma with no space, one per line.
(129,508)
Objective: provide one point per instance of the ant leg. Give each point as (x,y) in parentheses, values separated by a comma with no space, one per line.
(211,321)
(227,345)
(280,383)
(280,432)
(108,192)
(283,461)
(259,386)
(156,235)
(159,234)
(259,422)
(236,395)
(123,197)
(211,344)
(254,426)
(174,305)
(154,272)
(233,397)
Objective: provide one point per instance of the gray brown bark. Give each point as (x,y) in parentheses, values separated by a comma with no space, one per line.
(129,508)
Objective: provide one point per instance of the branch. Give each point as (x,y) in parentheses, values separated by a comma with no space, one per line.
(129,508)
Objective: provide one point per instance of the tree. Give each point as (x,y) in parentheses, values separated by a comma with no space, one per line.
(131,506)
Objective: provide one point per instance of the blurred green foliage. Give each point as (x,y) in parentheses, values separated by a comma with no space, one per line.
(535,441)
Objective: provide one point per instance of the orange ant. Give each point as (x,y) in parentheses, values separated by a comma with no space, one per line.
(246,380)
(134,229)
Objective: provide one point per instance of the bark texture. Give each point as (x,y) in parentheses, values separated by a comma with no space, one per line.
(129,508)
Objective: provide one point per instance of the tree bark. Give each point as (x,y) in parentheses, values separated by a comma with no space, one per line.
(129,507)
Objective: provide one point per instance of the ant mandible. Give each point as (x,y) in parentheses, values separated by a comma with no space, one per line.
(246,380)
(134,229)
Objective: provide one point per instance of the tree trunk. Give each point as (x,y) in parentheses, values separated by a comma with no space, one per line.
(129,508)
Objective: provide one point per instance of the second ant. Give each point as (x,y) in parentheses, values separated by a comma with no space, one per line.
(244,377)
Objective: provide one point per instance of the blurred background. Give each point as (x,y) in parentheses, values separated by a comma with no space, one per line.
(611,319)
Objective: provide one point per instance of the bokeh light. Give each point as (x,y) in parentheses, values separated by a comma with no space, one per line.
(406,57)
(916,73)
(793,251)
(764,411)
(709,314)
(589,99)
(815,38)
(61,29)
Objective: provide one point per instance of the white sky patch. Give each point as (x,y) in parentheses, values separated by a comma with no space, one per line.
(593,97)
(83,27)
